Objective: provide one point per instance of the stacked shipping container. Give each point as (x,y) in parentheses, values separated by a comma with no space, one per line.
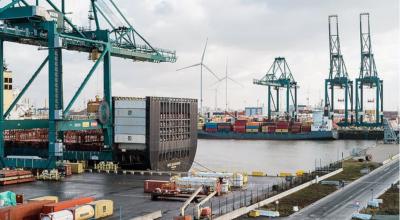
(268,127)
(224,127)
(245,126)
(211,127)
(240,126)
(282,127)
(296,127)
(252,127)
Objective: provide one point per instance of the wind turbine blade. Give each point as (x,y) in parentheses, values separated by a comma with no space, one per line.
(240,84)
(204,51)
(207,68)
(197,64)
(215,83)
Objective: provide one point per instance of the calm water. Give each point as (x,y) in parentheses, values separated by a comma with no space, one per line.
(272,157)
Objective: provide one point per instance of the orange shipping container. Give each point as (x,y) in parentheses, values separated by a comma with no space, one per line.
(54,207)
(151,185)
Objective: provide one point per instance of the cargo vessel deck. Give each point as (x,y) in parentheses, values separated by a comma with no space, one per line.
(313,135)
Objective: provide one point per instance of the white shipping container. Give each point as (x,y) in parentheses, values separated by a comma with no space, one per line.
(60,215)
(138,103)
(129,138)
(138,130)
(130,112)
(130,121)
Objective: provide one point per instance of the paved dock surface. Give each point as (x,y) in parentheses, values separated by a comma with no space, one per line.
(125,190)
(346,201)
(382,152)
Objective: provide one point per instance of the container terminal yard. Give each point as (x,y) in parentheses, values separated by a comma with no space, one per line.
(142,157)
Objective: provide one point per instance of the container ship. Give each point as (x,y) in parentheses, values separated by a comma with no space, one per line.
(320,129)
(151,133)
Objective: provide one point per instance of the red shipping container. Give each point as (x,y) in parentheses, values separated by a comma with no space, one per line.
(271,129)
(239,128)
(55,207)
(26,211)
(211,130)
(305,128)
(151,185)
(68,170)
(240,122)
(5,214)
(10,173)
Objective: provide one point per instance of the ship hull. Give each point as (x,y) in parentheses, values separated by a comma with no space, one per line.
(313,135)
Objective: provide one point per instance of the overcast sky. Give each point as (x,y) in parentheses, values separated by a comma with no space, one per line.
(250,33)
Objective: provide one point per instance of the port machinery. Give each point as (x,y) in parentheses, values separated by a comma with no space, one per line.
(31,24)
(279,76)
(338,76)
(368,77)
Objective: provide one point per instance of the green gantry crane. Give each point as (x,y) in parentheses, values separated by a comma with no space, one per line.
(368,77)
(33,24)
(338,76)
(280,76)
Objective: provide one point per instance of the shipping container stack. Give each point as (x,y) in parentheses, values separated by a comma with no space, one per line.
(282,127)
(211,127)
(268,127)
(240,126)
(9,177)
(296,127)
(224,127)
(252,127)
(306,127)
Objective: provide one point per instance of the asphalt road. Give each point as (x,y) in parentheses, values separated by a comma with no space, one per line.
(346,201)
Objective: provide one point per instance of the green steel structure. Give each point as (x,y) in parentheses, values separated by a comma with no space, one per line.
(368,77)
(338,76)
(280,76)
(32,24)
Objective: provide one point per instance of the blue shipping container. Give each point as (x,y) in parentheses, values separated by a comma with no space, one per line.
(211,125)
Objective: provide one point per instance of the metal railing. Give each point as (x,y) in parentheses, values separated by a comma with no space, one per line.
(244,198)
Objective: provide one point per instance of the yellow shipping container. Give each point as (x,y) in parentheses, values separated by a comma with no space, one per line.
(257,173)
(76,167)
(102,208)
(254,213)
(83,212)
(299,172)
(245,179)
(285,174)
(264,129)
(253,123)
(48,198)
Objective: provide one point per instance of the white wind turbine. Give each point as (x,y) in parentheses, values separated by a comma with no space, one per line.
(226,78)
(202,65)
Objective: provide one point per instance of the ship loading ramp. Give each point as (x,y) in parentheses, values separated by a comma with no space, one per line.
(47,26)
